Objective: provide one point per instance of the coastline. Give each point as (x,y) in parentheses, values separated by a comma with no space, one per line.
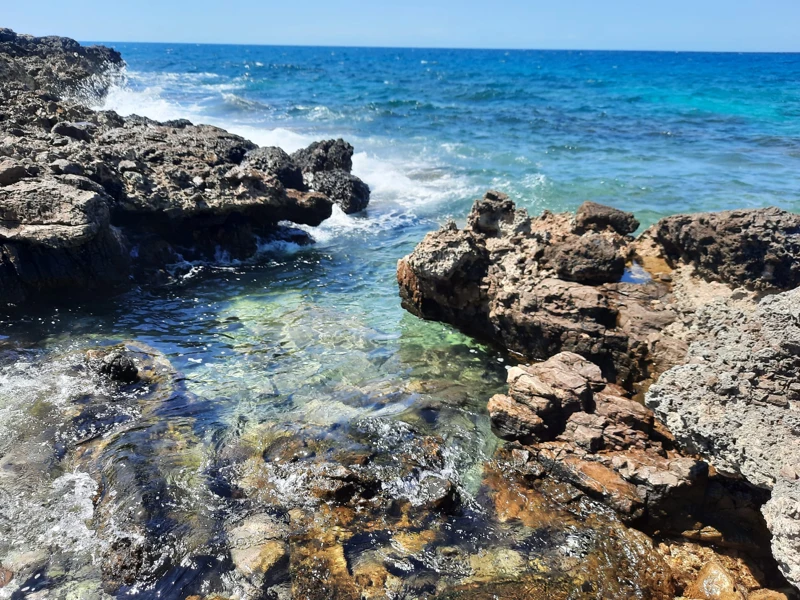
(250,192)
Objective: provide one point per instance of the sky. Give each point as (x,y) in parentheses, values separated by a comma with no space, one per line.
(713,25)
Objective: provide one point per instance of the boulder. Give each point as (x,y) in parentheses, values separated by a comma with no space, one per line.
(326,167)
(327,155)
(271,159)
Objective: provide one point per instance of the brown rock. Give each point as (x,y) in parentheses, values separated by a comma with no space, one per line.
(591,215)
(714,582)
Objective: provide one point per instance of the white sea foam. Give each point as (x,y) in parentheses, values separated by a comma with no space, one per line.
(405,182)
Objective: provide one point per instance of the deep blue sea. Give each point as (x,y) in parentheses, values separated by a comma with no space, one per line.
(315,336)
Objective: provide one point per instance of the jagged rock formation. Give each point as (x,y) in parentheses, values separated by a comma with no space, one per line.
(549,288)
(55,65)
(89,199)
(553,283)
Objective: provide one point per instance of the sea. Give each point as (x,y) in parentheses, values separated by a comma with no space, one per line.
(315,336)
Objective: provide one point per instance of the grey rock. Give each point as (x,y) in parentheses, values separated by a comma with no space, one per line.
(718,405)
(11,171)
(327,155)
(275,161)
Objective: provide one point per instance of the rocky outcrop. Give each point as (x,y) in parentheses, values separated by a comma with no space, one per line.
(581,430)
(89,199)
(55,65)
(749,248)
(326,168)
(735,402)
(539,286)
(542,285)
(552,288)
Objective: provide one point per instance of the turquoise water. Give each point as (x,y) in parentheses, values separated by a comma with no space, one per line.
(315,336)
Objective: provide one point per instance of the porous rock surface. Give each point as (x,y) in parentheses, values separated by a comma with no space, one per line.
(552,283)
(549,288)
(89,199)
(736,402)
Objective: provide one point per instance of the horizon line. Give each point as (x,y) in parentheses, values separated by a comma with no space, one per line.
(492,49)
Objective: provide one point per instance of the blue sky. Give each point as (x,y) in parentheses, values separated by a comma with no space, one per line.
(734,25)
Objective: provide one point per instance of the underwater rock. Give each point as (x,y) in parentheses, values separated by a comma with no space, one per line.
(116,364)
(258,548)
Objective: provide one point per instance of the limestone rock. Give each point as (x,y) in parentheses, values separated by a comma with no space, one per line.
(735,401)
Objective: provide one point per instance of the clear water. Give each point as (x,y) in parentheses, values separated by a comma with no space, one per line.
(316,336)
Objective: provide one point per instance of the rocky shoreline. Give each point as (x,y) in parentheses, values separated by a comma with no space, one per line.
(706,309)
(92,201)
(650,441)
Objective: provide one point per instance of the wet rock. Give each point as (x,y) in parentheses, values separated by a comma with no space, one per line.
(274,160)
(258,547)
(117,365)
(326,167)
(196,188)
(714,582)
(347,190)
(598,217)
(437,493)
(122,563)
(56,65)
(755,248)
(327,155)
